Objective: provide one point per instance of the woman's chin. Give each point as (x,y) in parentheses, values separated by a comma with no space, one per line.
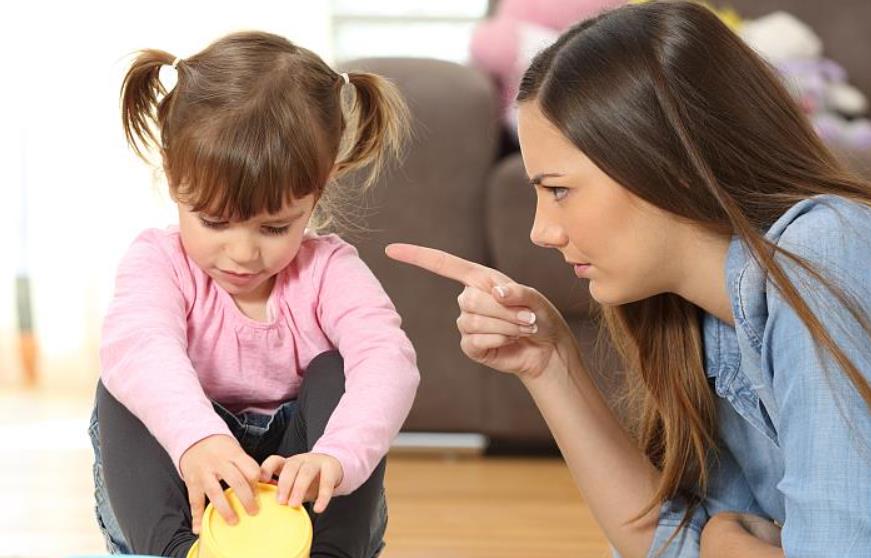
(606,296)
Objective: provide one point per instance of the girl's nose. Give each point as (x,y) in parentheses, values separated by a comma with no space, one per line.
(243,251)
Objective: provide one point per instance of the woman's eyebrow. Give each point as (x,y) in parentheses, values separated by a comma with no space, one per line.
(538,177)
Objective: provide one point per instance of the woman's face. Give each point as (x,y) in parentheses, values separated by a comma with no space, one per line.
(630,247)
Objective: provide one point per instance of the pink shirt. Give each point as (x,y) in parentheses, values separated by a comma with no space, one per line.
(173,340)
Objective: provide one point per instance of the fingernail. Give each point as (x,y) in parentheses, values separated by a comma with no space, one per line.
(526,316)
(502,292)
(529,329)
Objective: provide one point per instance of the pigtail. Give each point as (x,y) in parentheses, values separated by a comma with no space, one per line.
(382,123)
(141,99)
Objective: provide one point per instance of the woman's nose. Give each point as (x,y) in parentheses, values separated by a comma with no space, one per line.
(547,233)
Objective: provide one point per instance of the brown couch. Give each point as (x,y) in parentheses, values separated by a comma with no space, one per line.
(461,190)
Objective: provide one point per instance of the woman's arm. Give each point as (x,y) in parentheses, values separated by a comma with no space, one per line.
(822,422)
(727,535)
(614,476)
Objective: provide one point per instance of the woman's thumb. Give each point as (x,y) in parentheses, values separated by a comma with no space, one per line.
(512,294)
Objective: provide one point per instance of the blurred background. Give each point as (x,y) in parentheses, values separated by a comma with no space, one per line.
(474,473)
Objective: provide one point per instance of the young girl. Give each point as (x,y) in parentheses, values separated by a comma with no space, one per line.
(730,253)
(240,347)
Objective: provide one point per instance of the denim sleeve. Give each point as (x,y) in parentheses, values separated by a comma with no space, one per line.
(823,424)
(727,491)
(685,543)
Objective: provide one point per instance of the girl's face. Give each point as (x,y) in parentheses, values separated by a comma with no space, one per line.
(630,248)
(243,256)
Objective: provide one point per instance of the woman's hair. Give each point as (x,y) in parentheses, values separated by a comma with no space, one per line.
(672,105)
(255,121)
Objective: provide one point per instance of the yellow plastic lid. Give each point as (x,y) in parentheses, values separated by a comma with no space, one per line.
(276,530)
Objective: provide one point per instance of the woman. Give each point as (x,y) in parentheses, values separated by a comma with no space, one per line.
(729,252)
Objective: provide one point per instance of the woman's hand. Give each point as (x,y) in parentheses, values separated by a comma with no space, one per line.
(305,477)
(740,534)
(504,325)
(210,461)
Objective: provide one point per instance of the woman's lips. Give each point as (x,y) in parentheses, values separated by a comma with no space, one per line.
(581,269)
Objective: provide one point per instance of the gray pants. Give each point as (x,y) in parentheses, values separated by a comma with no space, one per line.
(142,504)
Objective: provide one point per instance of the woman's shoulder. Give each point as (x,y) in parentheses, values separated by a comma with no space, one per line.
(833,229)
(830,233)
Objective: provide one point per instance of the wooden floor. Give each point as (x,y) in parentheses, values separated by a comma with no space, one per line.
(440,505)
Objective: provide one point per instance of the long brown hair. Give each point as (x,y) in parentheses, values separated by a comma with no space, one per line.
(672,105)
(255,121)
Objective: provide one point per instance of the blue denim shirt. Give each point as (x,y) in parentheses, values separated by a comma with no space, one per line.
(795,436)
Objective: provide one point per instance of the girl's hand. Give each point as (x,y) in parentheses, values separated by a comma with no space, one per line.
(305,477)
(210,461)
(504,325)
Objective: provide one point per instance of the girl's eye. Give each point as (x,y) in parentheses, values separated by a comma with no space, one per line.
(217,225)
(276,230)
(557,192)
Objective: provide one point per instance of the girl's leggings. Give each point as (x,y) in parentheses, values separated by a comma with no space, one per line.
(142,503)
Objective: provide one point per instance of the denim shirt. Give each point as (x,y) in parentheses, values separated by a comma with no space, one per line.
(795,436)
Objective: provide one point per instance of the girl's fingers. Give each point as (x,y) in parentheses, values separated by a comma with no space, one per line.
(218,499)
(236,480)
(249,468)
(197,499)
(305,476)
(325,490)
(271,467)
(477,324)
(475,301)
(287,479)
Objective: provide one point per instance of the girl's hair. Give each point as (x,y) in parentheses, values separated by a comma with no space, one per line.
(672,105)
(255,121)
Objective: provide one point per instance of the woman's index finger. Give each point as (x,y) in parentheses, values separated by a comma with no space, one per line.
(444,264)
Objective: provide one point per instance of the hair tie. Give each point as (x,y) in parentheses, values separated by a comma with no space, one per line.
(346,78)
(175,63)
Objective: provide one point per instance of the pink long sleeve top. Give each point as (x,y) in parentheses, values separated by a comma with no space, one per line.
(173,341)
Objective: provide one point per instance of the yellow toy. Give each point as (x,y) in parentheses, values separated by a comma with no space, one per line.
(276,530)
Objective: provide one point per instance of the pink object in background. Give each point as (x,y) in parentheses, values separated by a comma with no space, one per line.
(504,45)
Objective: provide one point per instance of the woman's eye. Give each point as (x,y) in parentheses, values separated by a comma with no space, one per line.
(276,230)
(557,192)
(213,224)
